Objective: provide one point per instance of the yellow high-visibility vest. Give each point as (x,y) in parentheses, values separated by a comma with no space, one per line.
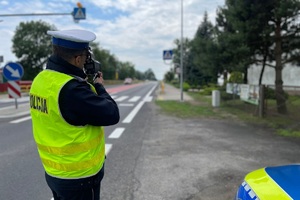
(66,151)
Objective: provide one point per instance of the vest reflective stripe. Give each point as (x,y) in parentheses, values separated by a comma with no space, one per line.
(74,166)
(66,151)
(261,183)
(71,149)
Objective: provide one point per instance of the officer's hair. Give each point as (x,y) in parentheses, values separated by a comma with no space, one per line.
(67,53)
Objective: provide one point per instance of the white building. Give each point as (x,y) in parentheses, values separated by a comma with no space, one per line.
(290,75)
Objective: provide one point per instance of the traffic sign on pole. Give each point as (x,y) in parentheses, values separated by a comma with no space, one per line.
(167,54)
(14,89)
(13,71)
(79,13)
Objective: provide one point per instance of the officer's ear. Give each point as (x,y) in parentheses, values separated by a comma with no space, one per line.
(78,60)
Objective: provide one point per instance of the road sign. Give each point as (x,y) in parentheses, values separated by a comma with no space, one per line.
(79,13)
(13,71)
(14,89)
(167,54)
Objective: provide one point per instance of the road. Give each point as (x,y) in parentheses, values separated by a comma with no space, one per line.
(21,173)
(153,156)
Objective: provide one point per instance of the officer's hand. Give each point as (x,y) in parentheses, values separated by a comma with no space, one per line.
(99,78)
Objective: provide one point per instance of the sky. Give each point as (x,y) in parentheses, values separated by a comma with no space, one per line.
(137,31)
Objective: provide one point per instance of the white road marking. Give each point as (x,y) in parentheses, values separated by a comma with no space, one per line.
(122,98)
(107,148)
(22,99)
(148,99)
(15,115)
(8,107)
(126,104)
(134,99)
(148,94)
(116,133)
(132,114)
(20,120)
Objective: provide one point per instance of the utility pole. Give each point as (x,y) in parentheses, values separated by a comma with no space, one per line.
(181,55)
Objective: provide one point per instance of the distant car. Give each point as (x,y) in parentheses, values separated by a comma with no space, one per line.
(277,182)
(128,81)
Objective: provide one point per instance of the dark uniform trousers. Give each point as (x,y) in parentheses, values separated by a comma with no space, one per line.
(76,189)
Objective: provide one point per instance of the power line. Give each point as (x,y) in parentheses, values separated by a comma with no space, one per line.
(34,14)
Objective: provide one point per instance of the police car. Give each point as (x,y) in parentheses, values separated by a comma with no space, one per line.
(275,183)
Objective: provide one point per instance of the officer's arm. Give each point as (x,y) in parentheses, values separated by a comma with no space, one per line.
(80,105)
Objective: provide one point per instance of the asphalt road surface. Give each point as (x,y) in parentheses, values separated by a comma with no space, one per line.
(192,159)
(196,159)
(153,156)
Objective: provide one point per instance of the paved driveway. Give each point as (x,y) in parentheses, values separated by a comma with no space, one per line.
(201,159)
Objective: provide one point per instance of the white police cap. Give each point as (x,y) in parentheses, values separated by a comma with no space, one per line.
(73,39)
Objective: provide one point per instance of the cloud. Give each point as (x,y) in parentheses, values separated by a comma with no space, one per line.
(150,28)
(133,30)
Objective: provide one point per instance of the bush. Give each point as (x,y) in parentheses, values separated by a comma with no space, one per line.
(186,86)
(236,77)
(175,83)
(226,97)
(270,94)
(207,90)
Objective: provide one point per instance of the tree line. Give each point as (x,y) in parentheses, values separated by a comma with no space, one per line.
(32,47)
(247,32)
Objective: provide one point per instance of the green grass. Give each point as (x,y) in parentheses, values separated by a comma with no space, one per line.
(185,109)
(288,133)
(284,125)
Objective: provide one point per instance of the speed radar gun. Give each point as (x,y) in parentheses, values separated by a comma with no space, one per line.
(92,66)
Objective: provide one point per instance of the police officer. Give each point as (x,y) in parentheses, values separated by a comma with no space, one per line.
(67,118)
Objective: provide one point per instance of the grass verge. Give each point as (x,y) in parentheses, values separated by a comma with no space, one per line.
(285,125)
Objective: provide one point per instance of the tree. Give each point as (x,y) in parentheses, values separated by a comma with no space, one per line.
(203,52)
(126,70)
(109,63)
(270,32)
(139,75)
(286,26)
(232,48)
(169,76)
(32,46)
(248,22)
(177,55)
(149,74)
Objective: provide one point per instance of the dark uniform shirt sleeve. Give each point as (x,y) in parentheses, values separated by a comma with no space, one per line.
(80,106)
